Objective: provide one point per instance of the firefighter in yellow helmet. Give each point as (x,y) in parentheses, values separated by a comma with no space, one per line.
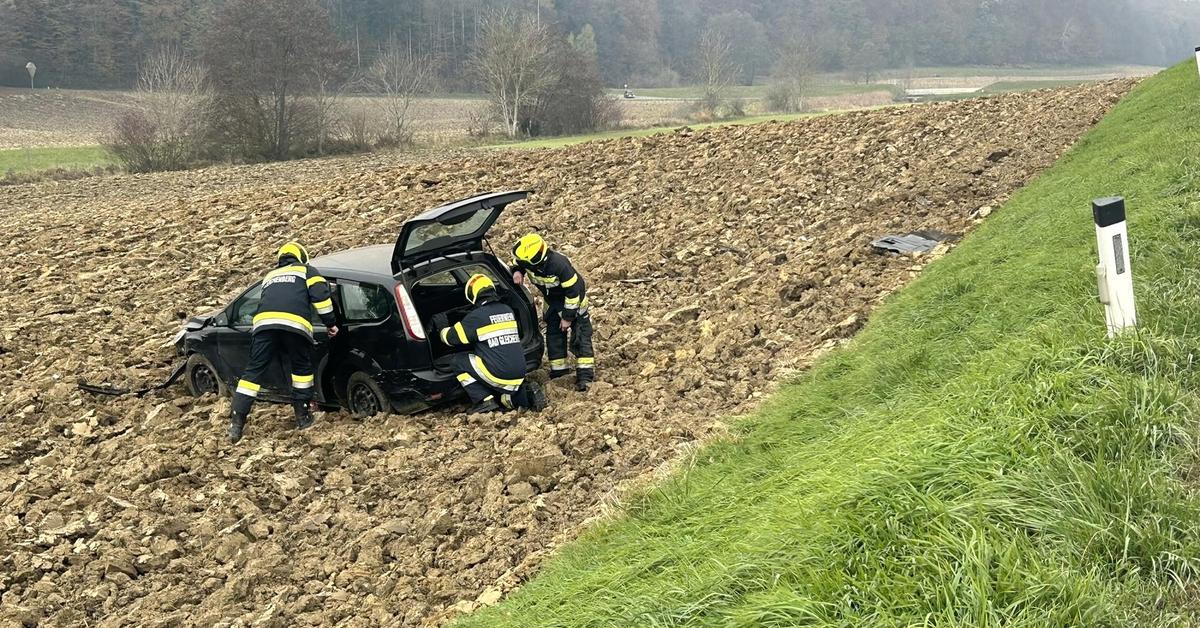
(492,368)
(282,327)
(567,307)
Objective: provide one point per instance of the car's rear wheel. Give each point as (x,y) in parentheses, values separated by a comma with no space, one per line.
(201,378)
(364,398)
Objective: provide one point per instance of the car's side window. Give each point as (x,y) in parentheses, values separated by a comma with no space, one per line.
(364,302)
(246,306)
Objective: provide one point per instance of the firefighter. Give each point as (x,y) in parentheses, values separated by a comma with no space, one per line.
(566,307)
(492,371)
(282,328)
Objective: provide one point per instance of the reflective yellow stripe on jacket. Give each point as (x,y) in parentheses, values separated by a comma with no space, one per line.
(486,375)
(548,282)
(496,329)
(283,318)
(298,271)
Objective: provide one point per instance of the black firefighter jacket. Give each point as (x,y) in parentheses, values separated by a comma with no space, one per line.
(490,330)
(563,288)
(290,293)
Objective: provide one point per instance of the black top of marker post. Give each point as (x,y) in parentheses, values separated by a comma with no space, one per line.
(1108,211)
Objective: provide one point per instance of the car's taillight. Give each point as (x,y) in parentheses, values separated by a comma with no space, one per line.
(408,314)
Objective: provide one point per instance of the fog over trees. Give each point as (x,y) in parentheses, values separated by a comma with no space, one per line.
(101,43)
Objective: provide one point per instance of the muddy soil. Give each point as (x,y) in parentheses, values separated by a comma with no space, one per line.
(720,261)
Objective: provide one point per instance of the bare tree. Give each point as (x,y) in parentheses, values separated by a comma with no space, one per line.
(865,61)
(399,76)
(792,77)
(576,102)
(325,100)
(175,92)
(166,129)
(514,61)
(714,67)
(267,59)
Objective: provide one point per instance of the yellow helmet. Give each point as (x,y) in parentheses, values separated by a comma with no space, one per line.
(531,249)
(477,285)
(295,250)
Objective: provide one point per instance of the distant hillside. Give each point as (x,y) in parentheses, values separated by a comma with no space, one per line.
(99,43)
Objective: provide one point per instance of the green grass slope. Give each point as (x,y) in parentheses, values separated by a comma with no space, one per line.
(980,455)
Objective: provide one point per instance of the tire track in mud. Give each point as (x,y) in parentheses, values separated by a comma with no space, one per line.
(719,261)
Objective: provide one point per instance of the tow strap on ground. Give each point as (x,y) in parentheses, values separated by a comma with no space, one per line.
(107,389)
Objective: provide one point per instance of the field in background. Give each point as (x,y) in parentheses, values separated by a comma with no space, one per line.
(1000,73)
(59,118)
(25,160)
(896,81)
(823,87)
(62,129)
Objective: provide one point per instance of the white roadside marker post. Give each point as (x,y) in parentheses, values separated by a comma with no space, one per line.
(1198,56)
(1113,274)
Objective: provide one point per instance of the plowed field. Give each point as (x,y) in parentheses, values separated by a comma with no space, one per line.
(718,260)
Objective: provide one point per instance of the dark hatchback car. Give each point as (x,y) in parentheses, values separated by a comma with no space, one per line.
(387,356)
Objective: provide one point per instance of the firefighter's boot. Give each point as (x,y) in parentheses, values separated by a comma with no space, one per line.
(537,397)
(531,396)
(304,415)
(584,376)
(237,424)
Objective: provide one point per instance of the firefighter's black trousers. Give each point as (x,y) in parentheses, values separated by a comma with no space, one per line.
(481,385)
(294,349)
(581,343)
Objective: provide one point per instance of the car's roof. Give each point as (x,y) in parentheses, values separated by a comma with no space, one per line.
(368,260)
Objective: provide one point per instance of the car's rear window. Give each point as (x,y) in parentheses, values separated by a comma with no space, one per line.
(432,232)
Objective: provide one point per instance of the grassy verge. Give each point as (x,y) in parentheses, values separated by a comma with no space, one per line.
(980,454)
(24,160)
